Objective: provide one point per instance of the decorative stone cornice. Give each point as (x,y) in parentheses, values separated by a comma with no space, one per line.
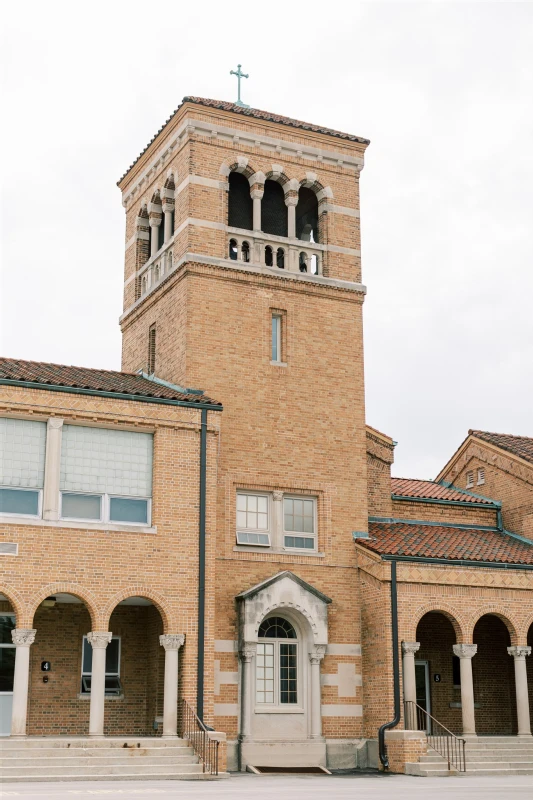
(23,637)
(248,651)
(465,650)
(410,648)
(519,651)
(99,639)
(172,641)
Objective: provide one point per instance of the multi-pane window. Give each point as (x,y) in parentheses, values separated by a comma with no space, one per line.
(106,475)
(276,354)
(22,457)
(253,519)
(276,674)
(112,667)
(299,522)
(281,521)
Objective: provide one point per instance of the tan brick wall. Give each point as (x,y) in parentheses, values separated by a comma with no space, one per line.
(434,512)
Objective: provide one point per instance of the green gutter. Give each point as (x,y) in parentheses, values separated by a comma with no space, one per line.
(432,523)
(116,395)
(494,504)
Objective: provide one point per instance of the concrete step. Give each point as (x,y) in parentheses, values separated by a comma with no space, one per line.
(124,776)
(85,760)
(100,752)
(428,770)
(144,767)
(53,742)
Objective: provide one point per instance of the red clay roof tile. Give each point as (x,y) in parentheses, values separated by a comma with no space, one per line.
(521,446)
(435,541)
(414,488)
(95,380)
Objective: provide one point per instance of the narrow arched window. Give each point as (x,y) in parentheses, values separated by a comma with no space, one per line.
(280,258)
(157,273)
(314,265)
(240,204)
(143,285)
(245,251)
(233,249)
(269,256)
(274,214)
(169,261)
(303,262)
(307,216)
(276,681)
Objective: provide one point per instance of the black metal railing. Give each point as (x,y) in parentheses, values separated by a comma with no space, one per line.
(193,729)
(443,741)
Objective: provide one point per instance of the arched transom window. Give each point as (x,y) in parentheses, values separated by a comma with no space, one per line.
(276,663)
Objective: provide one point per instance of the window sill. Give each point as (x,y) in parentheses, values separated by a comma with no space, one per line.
(110,527)
(278,364)
(81,696)
(285,551)
(278,710)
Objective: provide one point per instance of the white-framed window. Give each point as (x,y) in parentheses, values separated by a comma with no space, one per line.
(480,476)
(276,671)
(276,354)
(106,475)
(22,457)
(299,522)
(469,480)
(253,519)
(113,685)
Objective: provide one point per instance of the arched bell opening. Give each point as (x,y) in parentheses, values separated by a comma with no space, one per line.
(240,204)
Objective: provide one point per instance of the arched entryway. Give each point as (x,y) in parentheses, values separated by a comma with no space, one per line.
(494,680)
(8,621)
(438,688)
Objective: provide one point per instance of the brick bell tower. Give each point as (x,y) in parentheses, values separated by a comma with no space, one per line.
(243,278)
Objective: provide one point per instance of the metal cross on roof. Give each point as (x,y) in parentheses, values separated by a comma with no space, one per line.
(239,75)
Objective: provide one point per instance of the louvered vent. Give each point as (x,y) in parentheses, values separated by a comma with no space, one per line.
(9,549)
(469,480)
(480,477)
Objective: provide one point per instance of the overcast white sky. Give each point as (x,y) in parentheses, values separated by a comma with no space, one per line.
(443,90)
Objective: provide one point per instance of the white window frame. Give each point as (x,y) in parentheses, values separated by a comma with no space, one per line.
(107,674)
(265,531)
(105,506)
(277,706)
(298,534)
(469,479)
(25,489)
(481,476)
(279,339)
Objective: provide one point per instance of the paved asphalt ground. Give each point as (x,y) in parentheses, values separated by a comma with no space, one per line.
(268,787)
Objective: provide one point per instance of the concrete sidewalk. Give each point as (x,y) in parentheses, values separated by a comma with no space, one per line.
(297,787)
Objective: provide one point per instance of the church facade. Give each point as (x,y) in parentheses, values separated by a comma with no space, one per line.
(250,555)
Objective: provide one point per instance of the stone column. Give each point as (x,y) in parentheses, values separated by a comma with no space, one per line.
(246,654)
(54,434)
(168,208)
(257,196)
(519,654)
(23,639)
(172,643)
(409,683)
(466,652)
(315,657)
(99,641)
(155,222)
(291,202)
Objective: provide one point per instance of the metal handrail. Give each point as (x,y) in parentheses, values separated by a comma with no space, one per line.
(193,729)
(440,739)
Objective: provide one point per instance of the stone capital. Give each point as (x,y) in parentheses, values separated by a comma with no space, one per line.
(248,651)
(23,637)
(172,641)
(277,496)
(257,194)
(519,651)
(291,200)
(99,639)
(317,653)
(410,648)
(55,423)
(155,222)
(465,650)
(168,207)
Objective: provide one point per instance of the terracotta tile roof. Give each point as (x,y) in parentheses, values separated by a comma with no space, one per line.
(521,446)
(412,487)
(95,380)
(249,112)
(436,541)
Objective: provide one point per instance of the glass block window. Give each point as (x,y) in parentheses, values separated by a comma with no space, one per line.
(22,453)
(299,519)
(97,460)
(276,663)
(253,519)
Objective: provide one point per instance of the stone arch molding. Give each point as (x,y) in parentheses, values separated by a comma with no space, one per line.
(494,610)
(283,591)
(139,591)
(80,592)
(17,604)
(459,624)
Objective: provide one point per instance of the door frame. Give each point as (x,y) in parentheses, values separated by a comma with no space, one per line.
(424,663)
(6,647)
